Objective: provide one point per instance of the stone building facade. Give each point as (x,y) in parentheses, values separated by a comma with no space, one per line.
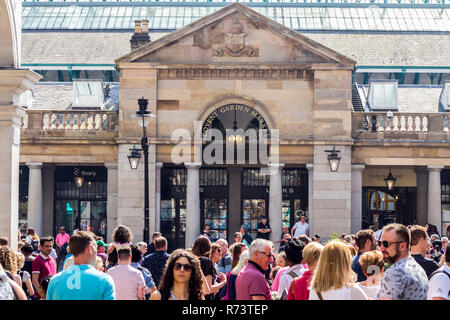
(235,69)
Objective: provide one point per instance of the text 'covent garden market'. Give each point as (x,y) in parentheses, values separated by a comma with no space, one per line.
(287,86)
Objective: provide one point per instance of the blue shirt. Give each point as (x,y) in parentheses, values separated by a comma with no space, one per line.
(155,264)
(81,282)
(356,267)
(145,273)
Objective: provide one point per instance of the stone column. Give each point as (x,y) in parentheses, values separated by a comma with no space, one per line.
(422,196)
(332,193)
(310,168)
(13,85)
(434,195)
(356,224)
(275,200)
(235,201)
(48,196)
(35,213)
(159,165)
(192,203)
(111,199)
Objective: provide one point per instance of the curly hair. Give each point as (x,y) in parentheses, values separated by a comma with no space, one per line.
(195,282)
(122,234)
(8,259)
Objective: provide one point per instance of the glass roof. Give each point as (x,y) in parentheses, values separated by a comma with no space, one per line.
(165,16)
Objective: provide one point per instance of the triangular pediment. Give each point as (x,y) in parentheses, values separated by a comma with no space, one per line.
(236,34)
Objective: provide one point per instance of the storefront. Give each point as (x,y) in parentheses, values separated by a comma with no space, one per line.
(445,202)
(81,207)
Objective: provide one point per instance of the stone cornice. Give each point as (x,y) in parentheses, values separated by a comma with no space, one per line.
(236,73)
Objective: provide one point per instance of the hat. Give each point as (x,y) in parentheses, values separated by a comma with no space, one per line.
(100,243)
(263,217)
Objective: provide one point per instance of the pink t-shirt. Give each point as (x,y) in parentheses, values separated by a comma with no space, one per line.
(44,267)
(276,281)
(127,280)
(251,282)
(61,239)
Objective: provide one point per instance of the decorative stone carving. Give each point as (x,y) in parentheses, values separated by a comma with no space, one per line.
(234,44)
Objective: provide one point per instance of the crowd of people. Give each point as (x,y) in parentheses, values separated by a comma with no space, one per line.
(397,263)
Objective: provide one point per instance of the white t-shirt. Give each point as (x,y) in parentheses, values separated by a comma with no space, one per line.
(300,229)
(344,293)
(371,292)
(439,285)
(286,279)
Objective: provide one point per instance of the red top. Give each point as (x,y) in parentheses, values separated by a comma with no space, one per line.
(301,285)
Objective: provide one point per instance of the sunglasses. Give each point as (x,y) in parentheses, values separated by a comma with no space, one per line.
(219,250)
(386,244)
(186,267)
(269,255)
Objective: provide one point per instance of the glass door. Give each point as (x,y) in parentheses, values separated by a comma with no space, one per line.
(93,217)
(252,210)
(215,215)
(291,212)
(67,215)
(173,222)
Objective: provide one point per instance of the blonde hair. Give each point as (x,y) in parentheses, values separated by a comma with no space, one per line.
(334,268)
(245,256)
(20,259)
(8,259)
(99,263)
(311,253)
(372,259)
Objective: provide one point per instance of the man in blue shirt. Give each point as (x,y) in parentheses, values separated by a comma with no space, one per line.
(82,281)
(365,241)
(157,260)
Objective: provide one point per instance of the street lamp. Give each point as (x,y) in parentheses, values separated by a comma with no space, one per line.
(143,119)
(79,180)
(333,159)
(134,157)
(390,180)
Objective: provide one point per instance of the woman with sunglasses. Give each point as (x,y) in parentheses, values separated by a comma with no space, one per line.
(182,278)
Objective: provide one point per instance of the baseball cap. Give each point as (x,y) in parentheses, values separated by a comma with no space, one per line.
(100,243)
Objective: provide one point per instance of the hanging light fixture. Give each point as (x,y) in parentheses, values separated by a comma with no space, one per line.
(235,137)
(79,180)
(333,159)
(390,180)
(134,157)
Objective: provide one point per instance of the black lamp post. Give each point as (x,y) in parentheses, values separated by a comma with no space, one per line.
(333,159)
(143,118)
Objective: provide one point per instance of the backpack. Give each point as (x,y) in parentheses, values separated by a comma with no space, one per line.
(35,245)
(6,290)
(284,294)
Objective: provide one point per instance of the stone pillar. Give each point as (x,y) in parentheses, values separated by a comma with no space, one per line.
(310,168)
(111,199)
(332,193)
(434,195)
(422,196)
(48,196)
(192,203)
(235,201)
(275,200)
(35,214)
(159,165)
(356,224)
(152,189)
(13,85)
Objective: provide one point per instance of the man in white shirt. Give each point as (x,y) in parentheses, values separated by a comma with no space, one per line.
(439,284)
(294,257)
(300,228)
